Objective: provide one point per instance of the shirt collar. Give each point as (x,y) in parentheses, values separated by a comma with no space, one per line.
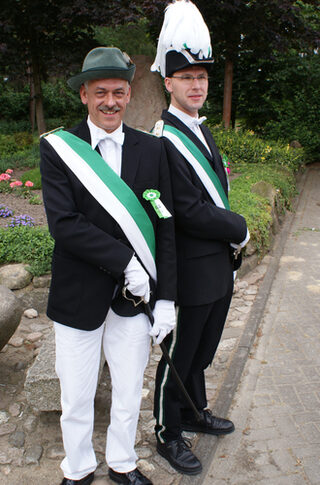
(98,134)
(184,117)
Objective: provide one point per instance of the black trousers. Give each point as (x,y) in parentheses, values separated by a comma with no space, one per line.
(192,347)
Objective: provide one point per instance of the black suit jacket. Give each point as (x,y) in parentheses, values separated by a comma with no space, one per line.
(91,251)
(203,230)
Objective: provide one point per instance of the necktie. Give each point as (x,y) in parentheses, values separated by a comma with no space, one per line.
(197,121)
(117,137)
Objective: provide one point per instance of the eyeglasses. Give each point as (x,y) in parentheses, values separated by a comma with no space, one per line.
(188,79)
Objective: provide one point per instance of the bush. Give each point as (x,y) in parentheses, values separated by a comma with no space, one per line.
(256,209)
(29,245)
(29,157)
(34,176)
(244,147)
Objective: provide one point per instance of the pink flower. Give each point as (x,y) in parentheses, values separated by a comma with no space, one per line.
(17,183)
(228,170)
(28,184)
(4,176)
(9,171)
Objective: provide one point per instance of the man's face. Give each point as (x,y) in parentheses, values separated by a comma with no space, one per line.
(188,94)
(107,100)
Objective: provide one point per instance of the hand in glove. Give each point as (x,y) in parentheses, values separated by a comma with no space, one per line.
(164,320)
(243,243)
(136,279)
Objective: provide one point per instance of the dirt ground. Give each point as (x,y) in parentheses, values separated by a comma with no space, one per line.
(21,206)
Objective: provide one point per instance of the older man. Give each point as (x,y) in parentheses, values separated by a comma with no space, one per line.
(99,183)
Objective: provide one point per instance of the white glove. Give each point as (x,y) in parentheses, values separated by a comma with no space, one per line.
(136,279)
(243,243)
(164,320)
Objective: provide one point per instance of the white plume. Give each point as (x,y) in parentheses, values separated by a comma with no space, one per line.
(183,27)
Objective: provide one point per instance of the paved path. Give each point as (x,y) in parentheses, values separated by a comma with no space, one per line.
(276,407)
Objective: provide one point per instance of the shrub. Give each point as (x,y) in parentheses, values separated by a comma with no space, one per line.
(29,245)
(245,147)
(34,176)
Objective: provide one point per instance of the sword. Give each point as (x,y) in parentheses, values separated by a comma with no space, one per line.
(165,354)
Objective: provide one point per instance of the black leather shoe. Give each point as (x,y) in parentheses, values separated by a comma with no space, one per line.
(209,424)
(84,481)
(180,456)
(130,478)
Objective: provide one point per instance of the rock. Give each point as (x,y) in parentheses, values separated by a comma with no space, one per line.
(145,82)
(266,190)
(15,276)
(31,297)
(33,337)
(30,423)
(10,315)
(4,458)
(33,454)
(4,417)
(295,144)
(30,313)
(14,409)
(17,438)
(42,385)
(16,341)
(42,281)
(7,428)
(55,452)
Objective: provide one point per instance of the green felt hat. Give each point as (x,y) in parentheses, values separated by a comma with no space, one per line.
(104,63)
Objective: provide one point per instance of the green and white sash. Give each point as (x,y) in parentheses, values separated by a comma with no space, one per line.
(112,193)
(200,164)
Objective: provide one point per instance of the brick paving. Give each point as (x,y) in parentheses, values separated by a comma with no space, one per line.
(276,407)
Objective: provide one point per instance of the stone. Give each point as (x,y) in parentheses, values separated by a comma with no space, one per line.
(31,297)
(30,423)
(7,428)
(4,458)
(42,281)
(17,439)
(15,276)
(33,454)
(30,313)
(14,409)
(42,385)
(55,452)
(266,190)
(4,417)
(295,144)
(34,336)
(16,341)
(145,82)
(10,315)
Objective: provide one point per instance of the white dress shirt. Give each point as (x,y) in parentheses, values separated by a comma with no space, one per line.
(193,123)
(111,151)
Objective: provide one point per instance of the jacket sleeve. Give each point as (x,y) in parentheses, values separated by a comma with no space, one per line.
(69,224)
(165,237)
(195,213)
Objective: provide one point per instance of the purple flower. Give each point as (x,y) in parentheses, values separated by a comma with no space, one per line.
(22,220)
(5,211)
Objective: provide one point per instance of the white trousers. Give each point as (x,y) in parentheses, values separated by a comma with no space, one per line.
(126,343)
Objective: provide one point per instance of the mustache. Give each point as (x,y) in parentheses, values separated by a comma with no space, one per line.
(106,108)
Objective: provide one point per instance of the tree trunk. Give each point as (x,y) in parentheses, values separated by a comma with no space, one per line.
(38,96)
(227,95)
(32,107)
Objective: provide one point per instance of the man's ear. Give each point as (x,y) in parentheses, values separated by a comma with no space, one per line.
(83,94)
(168,84)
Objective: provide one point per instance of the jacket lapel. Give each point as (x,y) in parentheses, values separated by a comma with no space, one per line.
(130,156)
(174,121)
(214,158)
